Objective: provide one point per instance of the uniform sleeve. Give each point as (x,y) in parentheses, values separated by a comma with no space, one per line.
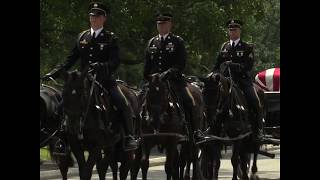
(248,63)
(182,56)
(114,60)
(219,60)
(216,66)
(72,57)
(147,65)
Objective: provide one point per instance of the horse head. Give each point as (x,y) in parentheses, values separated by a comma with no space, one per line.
(50,114)
(157,99)
(210,93)
(74,95)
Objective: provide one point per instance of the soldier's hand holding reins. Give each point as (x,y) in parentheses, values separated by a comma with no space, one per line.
(100,67)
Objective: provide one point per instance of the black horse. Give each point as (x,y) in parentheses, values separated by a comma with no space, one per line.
(92,123)
(227,115)
(163,125)
(51,133)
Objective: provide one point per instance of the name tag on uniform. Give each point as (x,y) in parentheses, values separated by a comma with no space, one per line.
(101,45)
(170,47)
(152,49)
(239,53)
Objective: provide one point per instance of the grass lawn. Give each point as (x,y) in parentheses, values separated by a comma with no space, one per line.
(44,154)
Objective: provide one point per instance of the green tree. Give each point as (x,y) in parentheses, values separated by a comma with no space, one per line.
(201,23)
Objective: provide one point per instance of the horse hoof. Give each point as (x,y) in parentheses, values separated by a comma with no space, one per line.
(254,169)
(254,177)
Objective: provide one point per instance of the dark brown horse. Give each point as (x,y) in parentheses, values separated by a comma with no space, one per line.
(50,128)
(227,115)
(92,123)
(163,125)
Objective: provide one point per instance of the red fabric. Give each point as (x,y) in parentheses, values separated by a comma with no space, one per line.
(269,79)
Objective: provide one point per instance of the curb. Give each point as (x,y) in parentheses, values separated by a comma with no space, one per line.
(74,170)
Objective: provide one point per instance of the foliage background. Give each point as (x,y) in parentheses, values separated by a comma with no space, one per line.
(201,23)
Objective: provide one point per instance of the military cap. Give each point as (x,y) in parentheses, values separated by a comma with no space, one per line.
(163,17)
(96,8)
(234,23)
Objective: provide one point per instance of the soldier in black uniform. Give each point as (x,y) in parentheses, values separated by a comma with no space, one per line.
(239,55)
(98,47)
(166,54)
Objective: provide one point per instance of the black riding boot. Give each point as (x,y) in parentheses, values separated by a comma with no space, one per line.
(257,126)
(130,142)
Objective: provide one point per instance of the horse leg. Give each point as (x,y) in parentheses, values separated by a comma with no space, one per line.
(171,165)
(114,168)
(216,160)
(194,160)
(126,163)
(235,160)
(254,168)
(244,160)
(136,164)
(79,155)
(145,162)
(92,159)
(187,172)
(182,161)
(102,166)
(64,163)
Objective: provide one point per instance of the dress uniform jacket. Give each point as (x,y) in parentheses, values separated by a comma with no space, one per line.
(242,53)
(102,49)
(160,56)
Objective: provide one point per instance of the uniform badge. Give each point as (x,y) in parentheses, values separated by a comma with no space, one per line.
(153,49)
(239,53)
(83,42)
(224,53)
(102,45)
(95,5)
(170,47)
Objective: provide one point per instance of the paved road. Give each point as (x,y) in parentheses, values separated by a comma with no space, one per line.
(267,169)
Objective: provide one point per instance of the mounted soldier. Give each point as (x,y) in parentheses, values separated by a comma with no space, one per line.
(166,56)
(239,55)
(98,48)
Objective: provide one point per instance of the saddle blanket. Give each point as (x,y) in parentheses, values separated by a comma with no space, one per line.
(269,79)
